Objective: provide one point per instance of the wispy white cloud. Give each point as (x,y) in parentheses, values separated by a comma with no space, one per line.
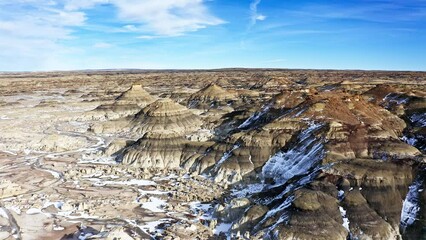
(376,11)
(165,17)
(32,31)
(130,28)
(254,15)
(73,5)
(261,17)
(31,37)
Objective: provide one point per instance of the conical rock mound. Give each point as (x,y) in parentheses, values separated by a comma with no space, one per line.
(135,95)
(212,93)
(166,117)
(128,103)
(164,125)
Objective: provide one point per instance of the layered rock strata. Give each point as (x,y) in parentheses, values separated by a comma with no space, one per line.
(128,103)
(166,117)
(163,126)
(211,95)
(325,174)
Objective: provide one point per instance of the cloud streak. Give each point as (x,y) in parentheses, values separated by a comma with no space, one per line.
(31,38)
(376,11)
(163,18)
(32,31)
(254,15)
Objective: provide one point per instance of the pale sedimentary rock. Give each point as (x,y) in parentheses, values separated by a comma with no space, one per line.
(165,116)
(211,95)
(128,103)
(164,125)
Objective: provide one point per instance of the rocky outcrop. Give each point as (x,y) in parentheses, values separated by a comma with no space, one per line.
(379,93)
(135,95)
(355,129)
(351,144)
(407,103)
(372,176)
(244,153)
(60,143)
(128,103)
(315,215)
(164,125)
(274,108)
(165,116)
(210,96)
(358,128)
(155,151)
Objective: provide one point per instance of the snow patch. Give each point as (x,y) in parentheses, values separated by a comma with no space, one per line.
(344,218)
(340,195)
(225,157)
(16,209)
(105,160)
(80,216)
(222,228)
(138,182)
(418,119)
(206,208)
(411,205)
(33,211)
(58,228)
(57,204)
(307,152)
(3,213)
(396,98)
(410,141)
(256,116)
(55,174)
(248,190)
(151,228)
(155,205)
(170,177)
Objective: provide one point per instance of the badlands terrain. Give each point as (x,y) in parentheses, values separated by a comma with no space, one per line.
(218,154)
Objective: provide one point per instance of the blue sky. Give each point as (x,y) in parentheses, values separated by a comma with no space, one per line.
(185,34)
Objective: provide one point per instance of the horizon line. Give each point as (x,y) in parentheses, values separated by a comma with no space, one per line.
(205,69)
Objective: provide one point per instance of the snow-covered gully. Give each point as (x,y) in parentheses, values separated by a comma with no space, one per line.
(285,172)
(411,206)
